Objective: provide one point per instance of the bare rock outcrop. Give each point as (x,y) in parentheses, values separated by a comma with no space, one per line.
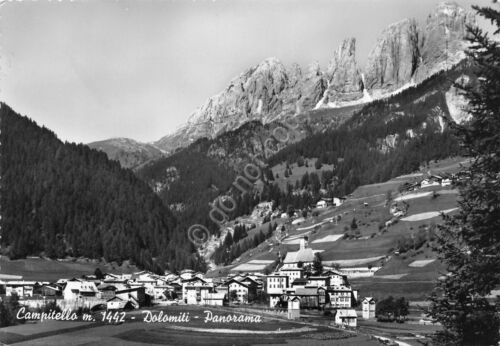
(393,60)
(344,76)
(442,40)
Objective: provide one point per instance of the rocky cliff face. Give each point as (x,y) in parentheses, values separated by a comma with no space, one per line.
(393,60)
(344,77)
(441,41)
(457,103)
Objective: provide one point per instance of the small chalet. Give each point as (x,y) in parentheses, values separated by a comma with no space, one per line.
(368,308)
(293,308)
(346,318)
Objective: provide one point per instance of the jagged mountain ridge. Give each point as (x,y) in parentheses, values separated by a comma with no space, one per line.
(405,54)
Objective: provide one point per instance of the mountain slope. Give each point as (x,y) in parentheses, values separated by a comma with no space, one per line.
(60,199)
(128,152)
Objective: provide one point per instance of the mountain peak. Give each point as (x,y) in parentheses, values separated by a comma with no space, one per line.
(344,82)
(268,91)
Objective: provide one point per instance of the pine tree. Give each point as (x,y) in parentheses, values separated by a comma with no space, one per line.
(468,243)
(228,241)
(317,264)
(354,224)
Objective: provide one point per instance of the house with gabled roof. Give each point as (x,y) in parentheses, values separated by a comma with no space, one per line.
(340,296)
(197,291)
(275,287)
(310,297)
(346,318)
(77,288)
(293,306)
(369,307)
(243,292)
(192,281)
(336,278)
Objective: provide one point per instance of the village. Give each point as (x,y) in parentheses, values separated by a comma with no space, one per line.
(298,283)
(286,291)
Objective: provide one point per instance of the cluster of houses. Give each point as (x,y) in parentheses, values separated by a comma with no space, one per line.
(290,287)
(431,180)
(325,202)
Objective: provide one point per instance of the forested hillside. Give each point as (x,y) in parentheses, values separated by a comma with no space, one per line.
(187,181)
(386,138)
(63,199)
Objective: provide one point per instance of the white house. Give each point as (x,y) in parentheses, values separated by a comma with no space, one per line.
(321,204)
(76,289)
(195,292)
(368,308)
(446,182)
(188,282)
(244,292)
(293,308)
(20,288)
(340,296)
(240,289)
(346,318)
(338,201)
(429,182)
(275,286)
(292,274)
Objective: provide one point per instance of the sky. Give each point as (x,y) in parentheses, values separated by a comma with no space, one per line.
(92,70)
